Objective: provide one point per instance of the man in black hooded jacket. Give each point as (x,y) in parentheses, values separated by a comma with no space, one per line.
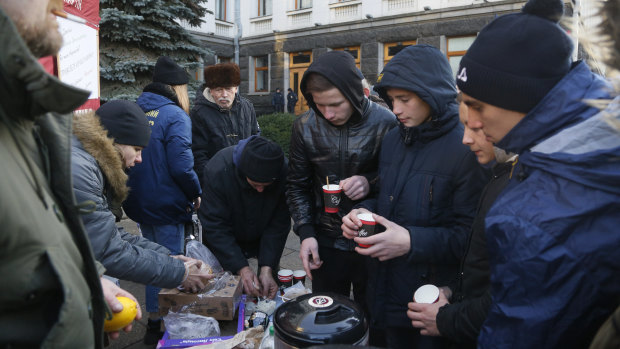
(339,139)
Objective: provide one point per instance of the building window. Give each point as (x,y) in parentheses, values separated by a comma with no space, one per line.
(456,49)
(391,49)
(220,10)
(222,59)
(302,4)
(354,51)
(261,74)
(301,58)
(264,8)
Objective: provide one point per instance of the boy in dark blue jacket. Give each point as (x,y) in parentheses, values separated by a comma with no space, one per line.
(429,187)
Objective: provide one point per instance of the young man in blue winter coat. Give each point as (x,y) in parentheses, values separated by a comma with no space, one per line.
(429,187)
(553,233)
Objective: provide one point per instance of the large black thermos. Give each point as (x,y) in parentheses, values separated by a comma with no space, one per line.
(319,318)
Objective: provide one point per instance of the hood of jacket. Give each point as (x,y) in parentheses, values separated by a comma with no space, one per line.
(567,137)
(202,100)
(423,70)
(88,130)
(346,78)
(587,153)
(152,101)
(26,89)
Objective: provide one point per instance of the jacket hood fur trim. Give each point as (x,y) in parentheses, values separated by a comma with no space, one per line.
(88,130)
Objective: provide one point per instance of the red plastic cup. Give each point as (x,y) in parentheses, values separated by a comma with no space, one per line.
(427,294)
(299,275)
(285,277)
(368,227)
(331,197)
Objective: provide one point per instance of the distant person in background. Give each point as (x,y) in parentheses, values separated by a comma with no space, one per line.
(164,187)
(221,117)
(373,95)
(244,213)
(277,101)
(291,100)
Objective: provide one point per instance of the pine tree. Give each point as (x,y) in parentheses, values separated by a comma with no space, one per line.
(133,34)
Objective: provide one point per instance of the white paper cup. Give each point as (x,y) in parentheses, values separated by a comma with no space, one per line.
(427,294)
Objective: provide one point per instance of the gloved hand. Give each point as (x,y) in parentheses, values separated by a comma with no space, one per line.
(196,277)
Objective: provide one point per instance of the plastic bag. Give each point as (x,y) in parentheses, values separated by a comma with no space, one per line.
(190,326)
(295,291)
(197,250)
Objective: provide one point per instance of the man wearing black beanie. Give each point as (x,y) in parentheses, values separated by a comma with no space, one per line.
(553,233)
(244,212)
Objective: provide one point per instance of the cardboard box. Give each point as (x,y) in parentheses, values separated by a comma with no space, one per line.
(220,305)
(166,342)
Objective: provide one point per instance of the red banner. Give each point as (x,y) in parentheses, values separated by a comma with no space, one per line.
(87,9)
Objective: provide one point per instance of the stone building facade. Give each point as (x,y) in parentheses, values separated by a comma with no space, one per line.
(275,56)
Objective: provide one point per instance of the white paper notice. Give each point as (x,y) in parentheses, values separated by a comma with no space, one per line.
(78,59)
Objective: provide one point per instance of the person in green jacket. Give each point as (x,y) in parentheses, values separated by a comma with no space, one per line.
(53,295)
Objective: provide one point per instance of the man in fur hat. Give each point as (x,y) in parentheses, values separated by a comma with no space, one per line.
(553,233)
(220,117)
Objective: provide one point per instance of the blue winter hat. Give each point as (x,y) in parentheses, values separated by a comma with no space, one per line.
(518,58)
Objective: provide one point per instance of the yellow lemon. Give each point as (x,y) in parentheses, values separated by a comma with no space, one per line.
(122,318)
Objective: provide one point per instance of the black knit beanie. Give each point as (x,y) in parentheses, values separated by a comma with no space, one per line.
(518,58)
(125,122)
(169,73)
(261,160)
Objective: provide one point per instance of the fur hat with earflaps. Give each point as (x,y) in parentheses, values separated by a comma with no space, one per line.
(518,58)
(222,75)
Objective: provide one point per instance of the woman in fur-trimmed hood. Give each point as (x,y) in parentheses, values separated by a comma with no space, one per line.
(98,166)
(104,145)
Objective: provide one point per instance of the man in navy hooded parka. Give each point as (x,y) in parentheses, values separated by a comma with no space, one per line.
(553,234)
(429,188)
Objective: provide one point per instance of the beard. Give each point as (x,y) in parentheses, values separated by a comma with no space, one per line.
(42,40)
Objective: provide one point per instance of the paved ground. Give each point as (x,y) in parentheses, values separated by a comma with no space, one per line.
(133,340)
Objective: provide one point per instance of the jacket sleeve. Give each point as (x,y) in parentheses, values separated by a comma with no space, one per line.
(299,193)
(217,223)
(274,237)
(200,141)
(121,259)
(446,243)
(461,322)
(179,155)
(142,242)
(253,120)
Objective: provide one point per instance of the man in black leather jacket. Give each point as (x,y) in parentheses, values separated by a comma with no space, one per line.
(338,138)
